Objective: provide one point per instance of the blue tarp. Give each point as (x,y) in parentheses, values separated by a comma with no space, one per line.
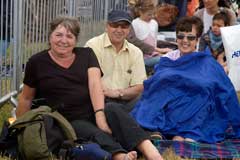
(190,97)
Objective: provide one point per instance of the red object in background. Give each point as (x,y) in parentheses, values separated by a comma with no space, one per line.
(192,6)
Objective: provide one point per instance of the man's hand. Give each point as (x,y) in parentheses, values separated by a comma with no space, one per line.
(102,122)
(124,94)
(111,93)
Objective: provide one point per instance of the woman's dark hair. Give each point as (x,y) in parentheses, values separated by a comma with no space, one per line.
(222,16)
(201,5)
(70,23)
(224,3)
(185,24)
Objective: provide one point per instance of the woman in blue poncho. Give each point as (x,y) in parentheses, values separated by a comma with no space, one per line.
(189,97)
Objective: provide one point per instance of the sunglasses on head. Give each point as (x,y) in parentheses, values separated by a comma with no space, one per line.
(121,25)
(189,37)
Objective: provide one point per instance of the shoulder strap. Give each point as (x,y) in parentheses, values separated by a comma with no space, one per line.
(34,116)
(64,124)
(30,117)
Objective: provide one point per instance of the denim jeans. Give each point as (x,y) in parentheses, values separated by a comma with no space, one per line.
(151,61)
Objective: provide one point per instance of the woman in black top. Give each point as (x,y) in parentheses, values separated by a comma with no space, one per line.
(71,76)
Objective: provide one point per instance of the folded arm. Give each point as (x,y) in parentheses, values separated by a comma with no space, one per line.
(125,94)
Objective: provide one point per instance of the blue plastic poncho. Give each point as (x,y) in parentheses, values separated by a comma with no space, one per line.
(190,97)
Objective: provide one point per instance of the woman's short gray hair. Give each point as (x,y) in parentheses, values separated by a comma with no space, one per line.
(70,23)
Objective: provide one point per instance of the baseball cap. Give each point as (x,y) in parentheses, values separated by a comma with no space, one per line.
(118,15)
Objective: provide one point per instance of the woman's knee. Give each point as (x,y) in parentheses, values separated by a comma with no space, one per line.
(84,129)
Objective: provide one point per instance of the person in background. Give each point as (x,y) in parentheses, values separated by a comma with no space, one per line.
(166,16)
(192,5)
(181,5)
(213,38)
(121,62)
(146,29)
(211,7)
(73,80)
(238,14)
(189,97)
(145,47)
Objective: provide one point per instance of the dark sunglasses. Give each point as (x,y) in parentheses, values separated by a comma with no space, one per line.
(189,37)
(122,25)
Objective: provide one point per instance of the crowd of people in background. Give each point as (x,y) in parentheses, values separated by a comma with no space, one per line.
(213,39)
(146,30)
(166,13)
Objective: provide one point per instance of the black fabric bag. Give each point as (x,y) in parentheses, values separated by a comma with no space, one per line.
(8,143)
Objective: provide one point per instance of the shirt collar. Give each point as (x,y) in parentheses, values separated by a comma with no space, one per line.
(107,43)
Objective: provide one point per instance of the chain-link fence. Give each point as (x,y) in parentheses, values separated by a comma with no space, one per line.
(24,32)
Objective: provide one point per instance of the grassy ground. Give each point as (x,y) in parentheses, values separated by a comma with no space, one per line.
(168,155)
(5,113)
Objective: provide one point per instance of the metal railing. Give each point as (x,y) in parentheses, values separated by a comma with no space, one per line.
(24,32)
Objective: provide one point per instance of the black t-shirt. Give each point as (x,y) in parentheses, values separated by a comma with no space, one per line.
(68,87)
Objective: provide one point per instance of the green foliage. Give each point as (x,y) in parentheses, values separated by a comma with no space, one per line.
(5,111)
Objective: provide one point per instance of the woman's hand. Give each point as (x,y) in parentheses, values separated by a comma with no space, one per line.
(163,50)
(102,122)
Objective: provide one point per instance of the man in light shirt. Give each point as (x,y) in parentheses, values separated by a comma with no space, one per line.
(121,62)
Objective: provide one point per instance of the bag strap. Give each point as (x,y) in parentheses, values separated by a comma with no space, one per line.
(34,116)
(31,115)
(64,124)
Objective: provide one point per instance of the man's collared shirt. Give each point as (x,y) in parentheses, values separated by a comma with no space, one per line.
(120,70)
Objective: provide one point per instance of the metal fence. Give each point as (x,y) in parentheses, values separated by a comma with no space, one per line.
(24,29)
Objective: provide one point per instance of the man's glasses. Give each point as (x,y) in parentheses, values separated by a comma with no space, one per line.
(122,25)
(189,37)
